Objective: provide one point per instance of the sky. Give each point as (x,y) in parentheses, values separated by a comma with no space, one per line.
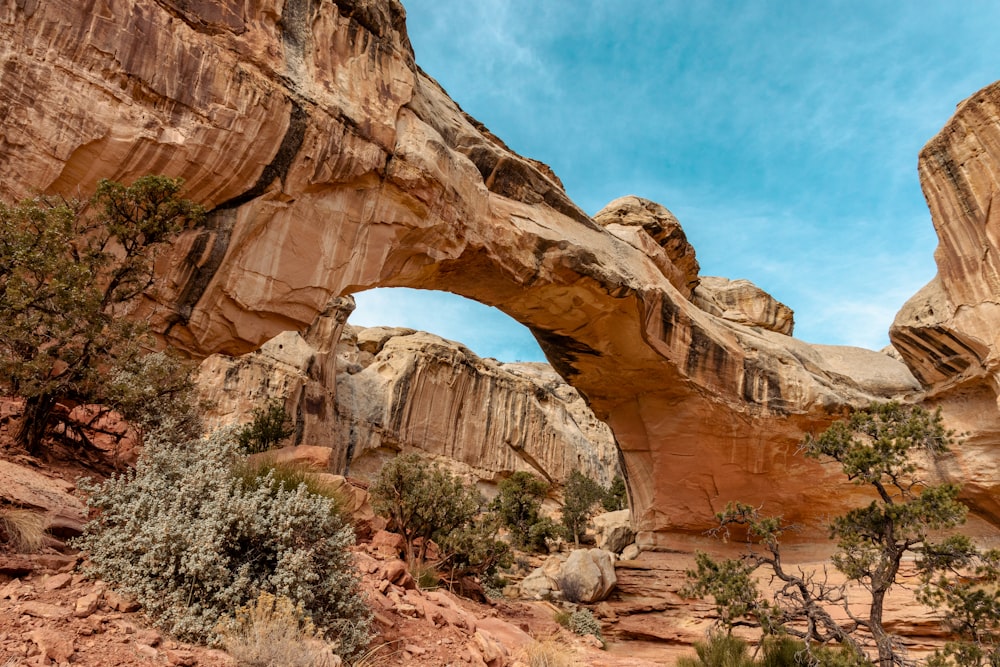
(783,134)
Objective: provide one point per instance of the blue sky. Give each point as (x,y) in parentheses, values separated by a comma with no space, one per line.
(783,135)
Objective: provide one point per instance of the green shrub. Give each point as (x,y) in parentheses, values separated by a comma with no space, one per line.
(270,425)
(721,650)
(583,622)
(422,501)
(725,650)
(286,476)
(615,497)
(519,506)
(192,542)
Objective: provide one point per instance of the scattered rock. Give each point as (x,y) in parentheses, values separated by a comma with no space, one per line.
(43,610)
(631,552)
(53,644)
(57,581)
(87,605)
(122,603)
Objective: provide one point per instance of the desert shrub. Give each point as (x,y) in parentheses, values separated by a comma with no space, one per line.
(269,426)
(285,476)
(274,632)
(726,650)
(475,549)
(519,506)
(583,622)
(22,529)
(721,650)
(191,542)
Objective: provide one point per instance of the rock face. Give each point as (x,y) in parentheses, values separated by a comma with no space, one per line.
(399,389)
(743,302)
(331,164)
(949,332)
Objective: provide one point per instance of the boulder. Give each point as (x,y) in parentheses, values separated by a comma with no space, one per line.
(743,302)
(614,530)
(588,575)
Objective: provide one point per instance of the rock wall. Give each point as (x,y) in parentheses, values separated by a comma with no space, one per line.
(949,332)
(331,164)
(402,390)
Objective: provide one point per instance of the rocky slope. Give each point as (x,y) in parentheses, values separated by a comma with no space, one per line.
(331,164)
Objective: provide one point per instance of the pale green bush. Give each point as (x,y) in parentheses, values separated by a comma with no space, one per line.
(193,542)
(583,622)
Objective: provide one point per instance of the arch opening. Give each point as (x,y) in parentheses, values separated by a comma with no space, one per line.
(485,330)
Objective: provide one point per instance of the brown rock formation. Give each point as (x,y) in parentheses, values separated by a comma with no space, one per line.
(743,302)
(405,390)
(628,217)
(949,332)
(332,164)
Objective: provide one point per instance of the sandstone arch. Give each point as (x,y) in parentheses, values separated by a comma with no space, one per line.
(333,164)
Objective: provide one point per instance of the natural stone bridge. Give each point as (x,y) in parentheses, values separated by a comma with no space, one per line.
(332,164)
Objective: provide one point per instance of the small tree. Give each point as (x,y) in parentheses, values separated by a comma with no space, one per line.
(616,496)
(580,496)
(875,448)
(68,272)
(519,506)
(270,425)
(423,502)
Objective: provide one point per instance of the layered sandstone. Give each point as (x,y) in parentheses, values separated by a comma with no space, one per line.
(331,164)
(743,302)
(402,390)
(949,332)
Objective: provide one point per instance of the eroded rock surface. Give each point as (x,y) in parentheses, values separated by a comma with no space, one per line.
(949,332)
(331,164)
(743,302)
(400,389)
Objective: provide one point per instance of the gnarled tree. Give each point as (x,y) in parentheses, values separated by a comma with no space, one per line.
(68,272)
(876,448)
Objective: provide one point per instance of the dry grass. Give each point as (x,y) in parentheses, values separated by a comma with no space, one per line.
(548,653)
(23,529)
(272,632)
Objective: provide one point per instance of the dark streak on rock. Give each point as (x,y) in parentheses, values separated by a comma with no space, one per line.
(282,161)
(562,351)
(704,355)
(762,387)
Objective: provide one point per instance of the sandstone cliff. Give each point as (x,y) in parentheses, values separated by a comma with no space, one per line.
(402,390)
(949,332)
(332,164)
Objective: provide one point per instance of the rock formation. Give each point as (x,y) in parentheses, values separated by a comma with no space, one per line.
(399,389)
(743,302)
(332,164)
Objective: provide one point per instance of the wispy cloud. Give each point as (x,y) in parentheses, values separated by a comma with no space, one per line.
(783,135)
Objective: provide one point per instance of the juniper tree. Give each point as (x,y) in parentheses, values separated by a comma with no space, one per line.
(875,448)
(580,496)
(68,272)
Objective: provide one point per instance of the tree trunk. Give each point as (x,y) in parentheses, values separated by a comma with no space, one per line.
(34,422)
(882,639)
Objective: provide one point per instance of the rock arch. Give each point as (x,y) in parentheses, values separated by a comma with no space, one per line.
(333,164)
